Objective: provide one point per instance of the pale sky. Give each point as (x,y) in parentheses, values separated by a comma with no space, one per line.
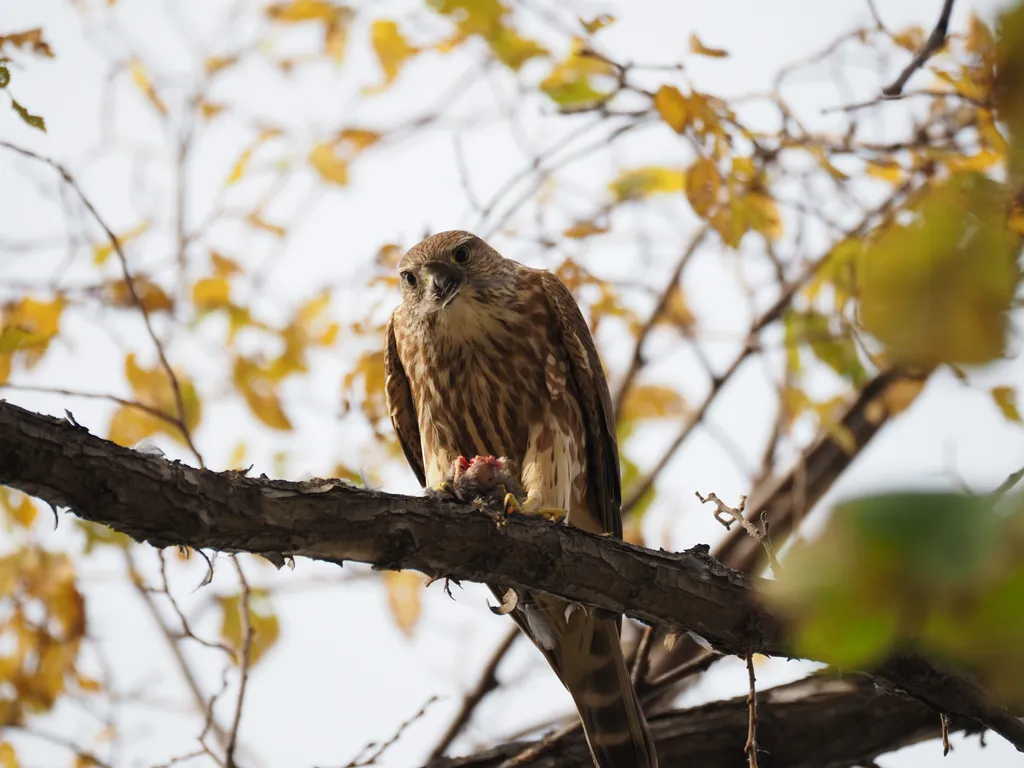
(342,674)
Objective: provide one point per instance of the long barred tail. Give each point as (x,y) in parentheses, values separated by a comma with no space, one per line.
(598,680)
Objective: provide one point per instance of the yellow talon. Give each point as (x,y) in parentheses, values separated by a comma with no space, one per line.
(553,514)
(444,488)
(512,505)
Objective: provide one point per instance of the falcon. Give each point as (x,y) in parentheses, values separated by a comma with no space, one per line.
(487,357)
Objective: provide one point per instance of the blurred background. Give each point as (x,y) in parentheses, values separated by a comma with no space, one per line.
(771,256)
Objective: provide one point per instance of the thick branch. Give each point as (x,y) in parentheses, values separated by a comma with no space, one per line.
(165,503)
(852,724)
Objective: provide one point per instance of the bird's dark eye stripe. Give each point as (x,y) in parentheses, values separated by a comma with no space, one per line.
(461,254)
(409,277)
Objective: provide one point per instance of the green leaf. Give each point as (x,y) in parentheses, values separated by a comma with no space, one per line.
(5,76)
(937,289)
(34,120)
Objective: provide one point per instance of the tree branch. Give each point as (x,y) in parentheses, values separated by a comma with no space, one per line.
(169,503)
(853,724)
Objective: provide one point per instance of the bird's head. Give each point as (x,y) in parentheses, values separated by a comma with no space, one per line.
(452,272)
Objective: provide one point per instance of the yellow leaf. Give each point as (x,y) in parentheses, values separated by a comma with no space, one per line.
(8,759)
(211,293)
(256,220)
(237,455)
(327,163)
(103,251)
(582,229)
(129,426)
(574,81)
(1006,399)
(19,507)
(983,160)
(639,183)
(912,38)
(144,84)
(696,46)
(404,595)
(677,310)
(263,623)
(151,296)
(369,371)
(210,110)
(223,266)
(336,35)
(703,182)
(651,401)
(215,64)
(238,169)
(597,23)
(488,20)
(302,10)
(27,327)
(671,105)
(258,389)
(762,214)
(887,170)
(391,48)
(152,387)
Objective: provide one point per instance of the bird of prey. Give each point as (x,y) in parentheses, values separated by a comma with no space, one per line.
(487,357)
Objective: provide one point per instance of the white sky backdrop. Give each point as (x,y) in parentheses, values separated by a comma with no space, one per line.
(342,674)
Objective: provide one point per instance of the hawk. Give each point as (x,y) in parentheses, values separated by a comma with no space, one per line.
(487,357)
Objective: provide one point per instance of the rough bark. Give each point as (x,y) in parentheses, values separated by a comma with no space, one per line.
(818,722)
(169,503)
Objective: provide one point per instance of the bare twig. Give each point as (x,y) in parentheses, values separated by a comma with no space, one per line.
(385,746)
(727,515)
(690,667)
(244,662)
(750,748)
(643,648)
(636,361)
(944,724)
(488,682)
(542,746)
(129,282)
(932,45)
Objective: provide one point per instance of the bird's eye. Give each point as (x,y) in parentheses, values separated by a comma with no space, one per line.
(461,254)
(409,278)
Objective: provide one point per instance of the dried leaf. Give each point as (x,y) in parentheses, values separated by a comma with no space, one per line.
(327,163)
(258,387)
(652,401)
(703,182)
(672,107)
(1006,399)
(392,50)
(404,598)
(32,38)
(141,79)
(263,621)
(255,219)
(151,296)
(597,23)
(696,46)
(582,229)
(102,252)
(33,120)
(210,293)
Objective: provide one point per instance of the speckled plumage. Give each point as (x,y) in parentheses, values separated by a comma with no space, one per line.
(488,357)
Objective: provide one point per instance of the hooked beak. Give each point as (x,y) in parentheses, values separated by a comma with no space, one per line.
(443,281)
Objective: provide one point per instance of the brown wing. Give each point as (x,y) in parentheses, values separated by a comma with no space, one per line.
(398,395)
(590,388)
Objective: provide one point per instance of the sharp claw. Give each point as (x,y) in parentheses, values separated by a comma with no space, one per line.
(554,515)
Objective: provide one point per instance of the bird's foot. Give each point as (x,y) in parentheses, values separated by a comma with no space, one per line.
(513,506)
(448,489)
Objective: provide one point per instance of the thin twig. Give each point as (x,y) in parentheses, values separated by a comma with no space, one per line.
(750,748)
(1008,484)
(244,663)
(488,682)
(542,746)
(385,746)
(688,668)
(727,515)
(944,724)
(155,412)
(636,358)
(643,648)
(129,282)
(933,44)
